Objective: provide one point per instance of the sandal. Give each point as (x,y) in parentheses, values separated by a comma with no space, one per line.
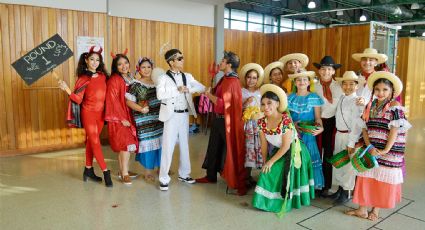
(149,178)
(356,214)
(373,216)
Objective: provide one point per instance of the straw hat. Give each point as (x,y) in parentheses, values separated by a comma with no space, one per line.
(295,56)
(156,74)
(283,100)
(246,68)
(398,85)
(269,68)
(349,76)
(370,53)
(310,74)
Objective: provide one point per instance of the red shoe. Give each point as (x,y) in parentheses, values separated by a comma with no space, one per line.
(205,180)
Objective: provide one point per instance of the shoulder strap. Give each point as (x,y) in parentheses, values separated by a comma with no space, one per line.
(172,78)
(184,79)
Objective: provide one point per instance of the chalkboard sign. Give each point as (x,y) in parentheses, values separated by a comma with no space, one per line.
(42,59)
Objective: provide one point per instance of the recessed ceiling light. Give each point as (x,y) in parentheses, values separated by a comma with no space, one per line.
(340,13)
(363,18)
(311,5)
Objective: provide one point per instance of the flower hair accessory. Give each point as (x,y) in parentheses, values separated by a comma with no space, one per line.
(143,59)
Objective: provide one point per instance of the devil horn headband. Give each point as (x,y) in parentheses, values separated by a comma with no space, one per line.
(99,51)
(124,53)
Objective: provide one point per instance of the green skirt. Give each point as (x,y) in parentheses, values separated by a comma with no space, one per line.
(268,192)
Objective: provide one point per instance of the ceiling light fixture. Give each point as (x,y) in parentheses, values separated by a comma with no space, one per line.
(363,17)
(311,5)
(415,6)
(340,13)
(423,34)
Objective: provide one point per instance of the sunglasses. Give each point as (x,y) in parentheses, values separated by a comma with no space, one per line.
(179,58)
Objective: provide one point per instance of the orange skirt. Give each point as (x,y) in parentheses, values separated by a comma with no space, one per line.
(372,193)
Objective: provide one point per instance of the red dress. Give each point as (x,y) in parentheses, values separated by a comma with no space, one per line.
(121,138)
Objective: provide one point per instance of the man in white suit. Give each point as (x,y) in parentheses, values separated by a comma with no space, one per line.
(174,89)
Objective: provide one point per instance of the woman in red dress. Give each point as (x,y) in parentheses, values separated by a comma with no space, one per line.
(121,130)
(89,92)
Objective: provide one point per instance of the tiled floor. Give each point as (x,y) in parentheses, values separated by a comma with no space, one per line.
(45,191)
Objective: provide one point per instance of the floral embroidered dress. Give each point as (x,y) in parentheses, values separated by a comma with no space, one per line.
(381,186)
(149,128)
(253,157)
(302,109)
(290,183)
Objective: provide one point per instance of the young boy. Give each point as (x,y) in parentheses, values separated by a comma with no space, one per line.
(347,115)
(330,91)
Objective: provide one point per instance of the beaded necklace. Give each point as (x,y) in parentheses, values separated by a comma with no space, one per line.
(376,108)
(278,130)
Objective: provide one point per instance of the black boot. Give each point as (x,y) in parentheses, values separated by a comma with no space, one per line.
(89,173)
(343,198)
(336,195)
(107,177)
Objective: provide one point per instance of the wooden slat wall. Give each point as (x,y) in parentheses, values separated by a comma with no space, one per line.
(338,42)
(249,46)
(145,38)
(411,70)
(32,119)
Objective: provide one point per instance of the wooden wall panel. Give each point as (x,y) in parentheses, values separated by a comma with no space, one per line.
(411,70)
(338,42)
(249,46)
(145,38)
(32,119)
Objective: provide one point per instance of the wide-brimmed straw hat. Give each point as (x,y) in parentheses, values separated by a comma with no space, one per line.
(397,84)
(302,73)
(349,76)
(295,56)
(370,53)
(269,68)
(246,68)
(283,100)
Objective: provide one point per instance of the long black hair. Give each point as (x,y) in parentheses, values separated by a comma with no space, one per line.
(82,65)
(114,66)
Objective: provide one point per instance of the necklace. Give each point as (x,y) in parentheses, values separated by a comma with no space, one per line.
(377,108)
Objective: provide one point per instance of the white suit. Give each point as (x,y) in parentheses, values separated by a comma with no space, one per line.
(176,120)
(347,115)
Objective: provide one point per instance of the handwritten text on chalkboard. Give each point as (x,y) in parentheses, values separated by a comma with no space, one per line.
(45,57)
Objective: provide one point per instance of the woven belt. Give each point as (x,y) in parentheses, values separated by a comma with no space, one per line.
(343,131)
(181,111)
(219,116)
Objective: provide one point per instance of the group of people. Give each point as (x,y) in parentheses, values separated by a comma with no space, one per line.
(282,119)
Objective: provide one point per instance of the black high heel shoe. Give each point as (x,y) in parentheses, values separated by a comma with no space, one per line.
(89,173)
